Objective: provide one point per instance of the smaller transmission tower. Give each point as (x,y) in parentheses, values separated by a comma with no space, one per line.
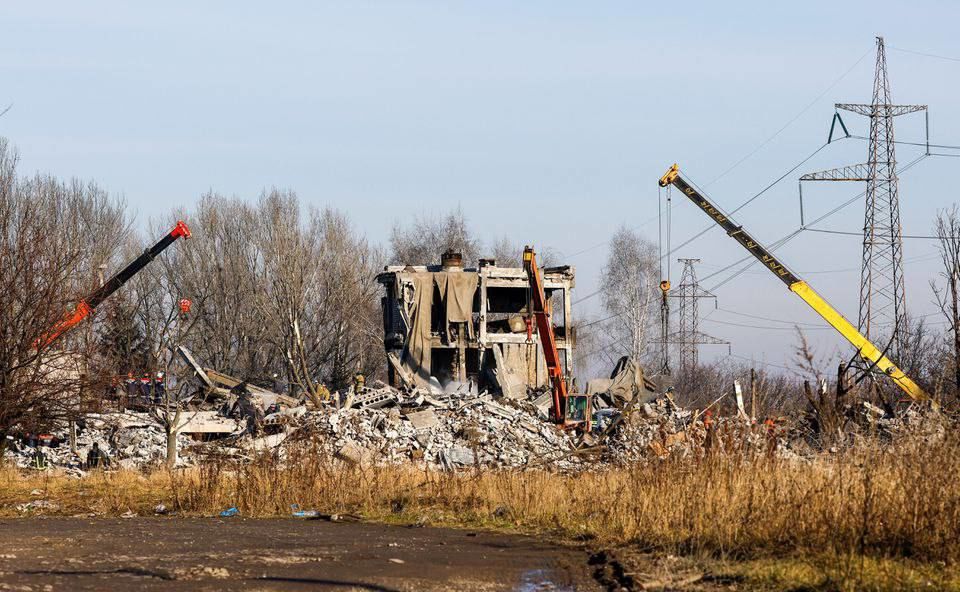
(689,336)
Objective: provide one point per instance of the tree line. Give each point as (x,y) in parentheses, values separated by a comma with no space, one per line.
(281,290)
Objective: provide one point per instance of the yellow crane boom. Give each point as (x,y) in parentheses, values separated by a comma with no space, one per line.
(867,350)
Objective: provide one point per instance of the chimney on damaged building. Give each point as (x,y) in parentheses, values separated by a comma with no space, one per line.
(451,260)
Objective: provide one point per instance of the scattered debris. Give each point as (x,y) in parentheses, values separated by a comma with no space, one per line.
(37,505)
(633,419)
(448,431)
(201,572)
(130,440)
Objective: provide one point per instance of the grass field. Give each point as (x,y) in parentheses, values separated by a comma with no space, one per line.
(873,517)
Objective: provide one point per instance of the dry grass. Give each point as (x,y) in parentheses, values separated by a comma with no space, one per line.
(862,509)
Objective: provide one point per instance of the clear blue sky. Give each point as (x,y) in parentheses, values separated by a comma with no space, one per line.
(546,121)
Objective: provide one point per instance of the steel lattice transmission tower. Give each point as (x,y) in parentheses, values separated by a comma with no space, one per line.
(689,336)
(882,298)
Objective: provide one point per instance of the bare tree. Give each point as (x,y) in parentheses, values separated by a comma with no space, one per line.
(426,238)
(947,227)
(223,272)
(291,258)
(349,330)
(319,295)
(153,295)
(279,291)
(628,286)
(507,253)
(53,235)
(920,355)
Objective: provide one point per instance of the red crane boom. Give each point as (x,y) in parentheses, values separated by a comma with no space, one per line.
(540,310)
(87,305)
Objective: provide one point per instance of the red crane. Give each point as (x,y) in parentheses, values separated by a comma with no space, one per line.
(86,306)
(568,409)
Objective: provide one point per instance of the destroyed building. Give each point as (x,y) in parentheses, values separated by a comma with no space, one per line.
(452,327)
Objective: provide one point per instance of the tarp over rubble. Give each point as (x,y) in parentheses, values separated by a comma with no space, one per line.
(626,382)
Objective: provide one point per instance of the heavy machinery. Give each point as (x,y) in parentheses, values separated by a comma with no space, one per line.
(87,305)
(569,410)
(869,352)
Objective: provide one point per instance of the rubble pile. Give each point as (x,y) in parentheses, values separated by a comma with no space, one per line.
(913,421)
(130,440)
(472,430)
(447,429)
(655,428)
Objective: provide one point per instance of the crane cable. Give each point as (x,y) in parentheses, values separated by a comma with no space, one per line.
(665,223)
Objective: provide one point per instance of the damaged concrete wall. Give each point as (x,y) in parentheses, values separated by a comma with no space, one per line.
(442,324)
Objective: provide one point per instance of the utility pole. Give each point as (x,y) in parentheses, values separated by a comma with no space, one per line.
(882,299)
(689,336)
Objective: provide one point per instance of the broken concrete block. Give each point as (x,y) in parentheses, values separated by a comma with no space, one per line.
(423,420)
(499,410)
(350,453)
(206,422)
(423,439)
(459,455)
(431,401)
(374,399)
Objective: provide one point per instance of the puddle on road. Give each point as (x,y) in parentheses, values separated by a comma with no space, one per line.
(540,580)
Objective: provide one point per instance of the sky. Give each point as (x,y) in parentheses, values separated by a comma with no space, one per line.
(548,122)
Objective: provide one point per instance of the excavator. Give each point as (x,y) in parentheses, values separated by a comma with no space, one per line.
(569,410)
(86,306)
(869,352)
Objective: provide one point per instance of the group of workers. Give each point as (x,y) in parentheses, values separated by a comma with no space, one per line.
(96,459)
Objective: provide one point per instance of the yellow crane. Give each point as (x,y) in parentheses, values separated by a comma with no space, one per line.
(867,350)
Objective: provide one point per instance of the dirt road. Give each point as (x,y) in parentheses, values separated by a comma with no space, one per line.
(239,554)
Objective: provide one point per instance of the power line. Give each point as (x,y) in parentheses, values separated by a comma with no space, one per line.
(906,143)
(587,297)
(600,244)
(860,234)
(750,316)
(798,165)
(707,229)
(789,123)
(764,190)
(928,55)
(787,238)
(591,323)
(826,271)
(750,258)
(753,361)
(768,328)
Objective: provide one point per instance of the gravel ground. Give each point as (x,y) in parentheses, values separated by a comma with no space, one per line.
(245,554)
